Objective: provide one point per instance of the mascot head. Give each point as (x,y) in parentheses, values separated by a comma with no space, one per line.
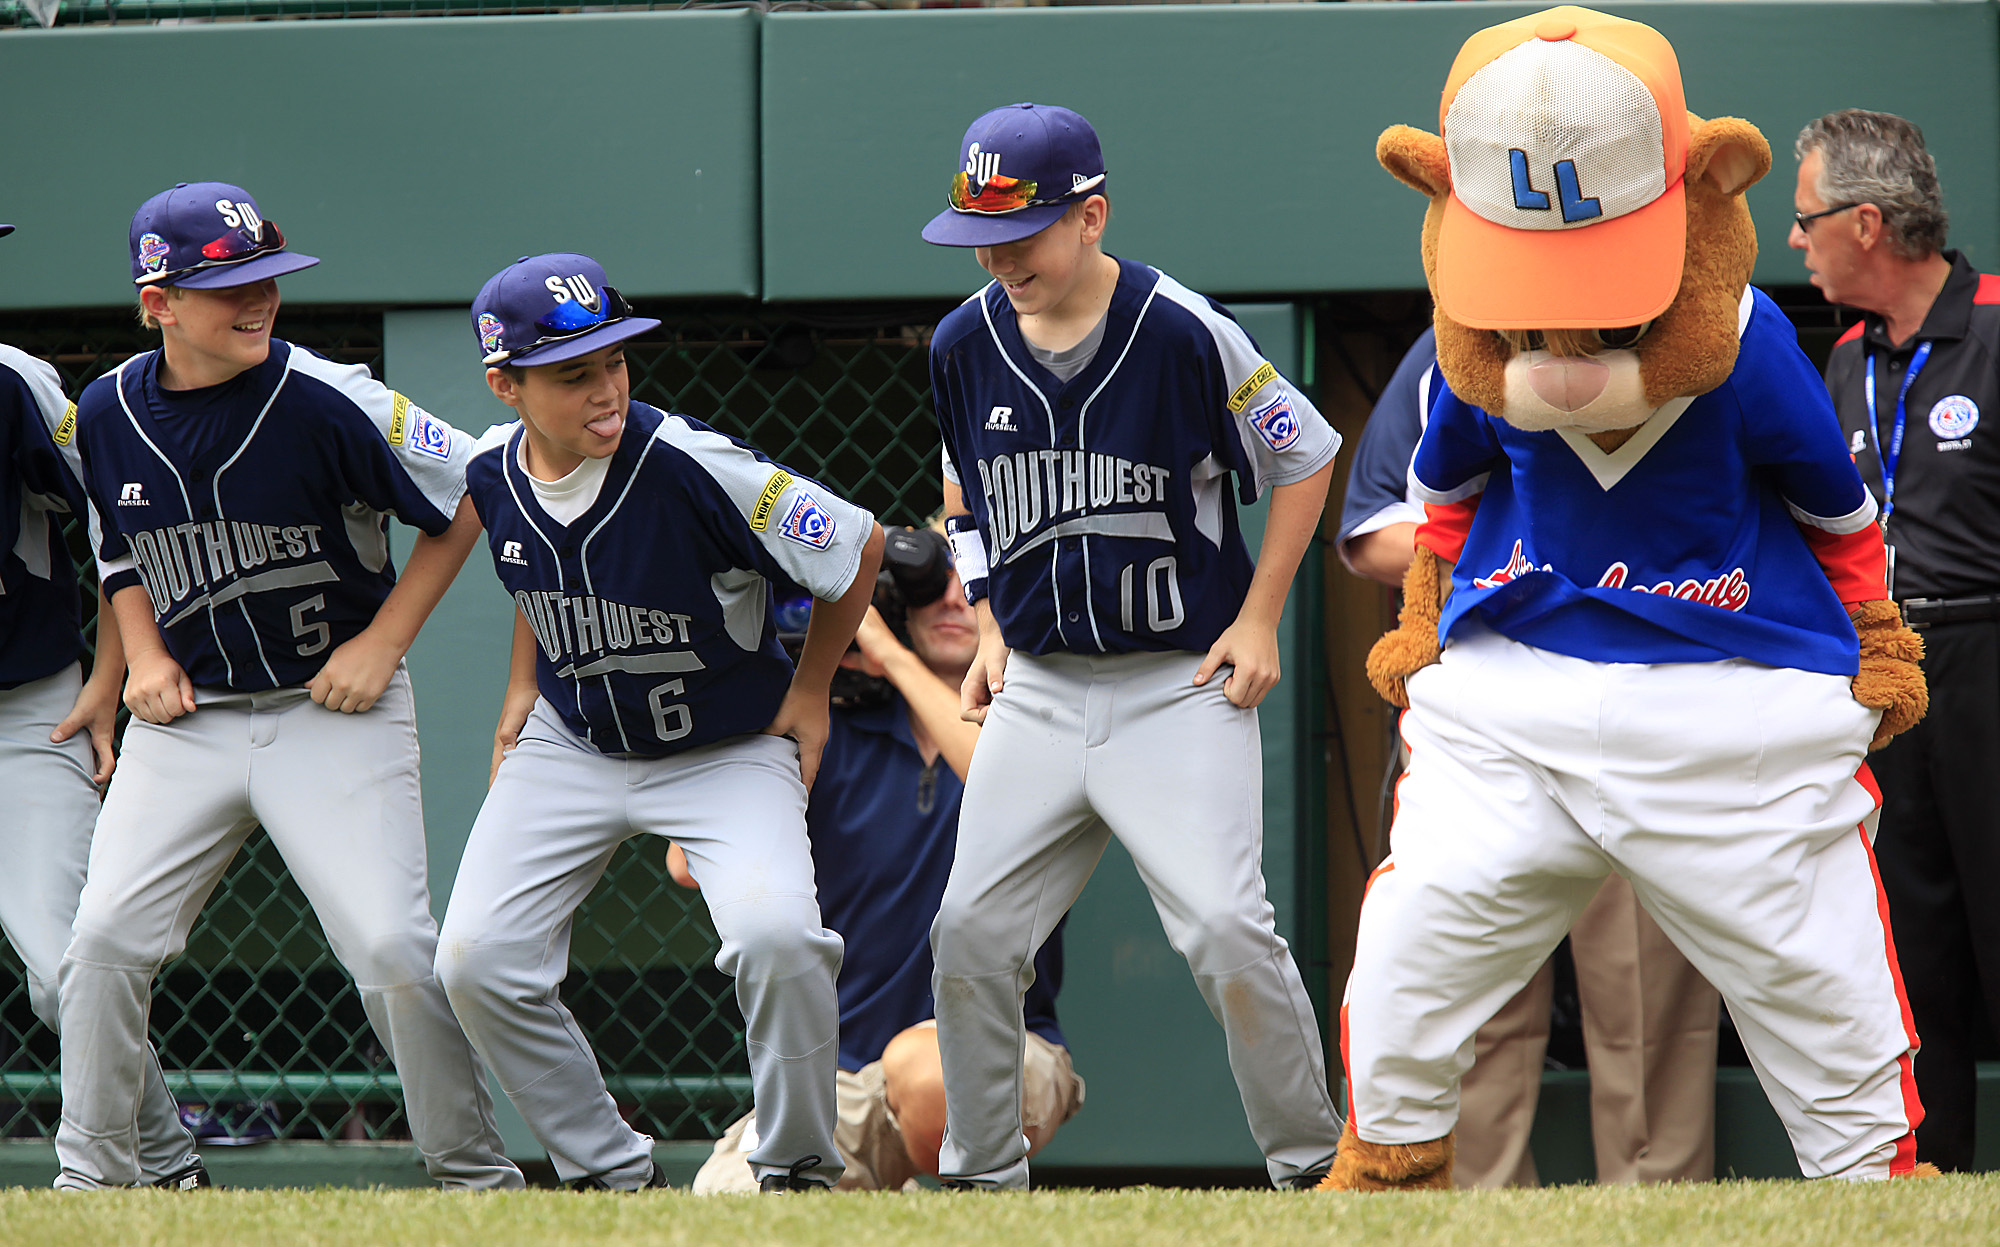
(1587,243)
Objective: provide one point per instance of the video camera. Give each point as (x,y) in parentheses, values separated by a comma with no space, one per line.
(916,567)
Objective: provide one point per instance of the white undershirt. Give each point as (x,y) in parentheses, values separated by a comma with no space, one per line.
(568,498)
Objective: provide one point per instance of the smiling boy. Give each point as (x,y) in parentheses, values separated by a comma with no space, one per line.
(240,490)
(648,694)
(1092,411)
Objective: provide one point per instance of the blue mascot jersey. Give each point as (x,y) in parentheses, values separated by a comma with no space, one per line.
(1681,546)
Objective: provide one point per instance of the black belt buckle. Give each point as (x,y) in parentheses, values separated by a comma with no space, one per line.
(1925,612)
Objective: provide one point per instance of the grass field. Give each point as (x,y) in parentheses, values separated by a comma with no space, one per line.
(1947,1212)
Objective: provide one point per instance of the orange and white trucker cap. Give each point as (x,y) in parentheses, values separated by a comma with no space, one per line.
(1567,136)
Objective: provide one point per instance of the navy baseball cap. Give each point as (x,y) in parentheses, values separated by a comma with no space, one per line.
(1020,168)
(6,230)
(207,236)
(544,309)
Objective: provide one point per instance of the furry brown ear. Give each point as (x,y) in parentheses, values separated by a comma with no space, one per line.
(1418,159)
(1730,152)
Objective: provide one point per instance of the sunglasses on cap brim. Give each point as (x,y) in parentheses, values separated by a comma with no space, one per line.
(566,320)
(234,247)
(1001,194)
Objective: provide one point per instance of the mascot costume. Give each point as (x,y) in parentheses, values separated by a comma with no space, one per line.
(1646,630)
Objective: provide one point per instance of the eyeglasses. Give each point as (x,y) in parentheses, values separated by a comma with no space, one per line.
(1805,219)
(232,248)
(569,319)
(1001,194)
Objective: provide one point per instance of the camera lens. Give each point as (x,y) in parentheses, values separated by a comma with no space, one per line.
(919,562)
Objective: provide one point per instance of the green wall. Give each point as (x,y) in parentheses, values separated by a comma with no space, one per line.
(415,158)
(795,155)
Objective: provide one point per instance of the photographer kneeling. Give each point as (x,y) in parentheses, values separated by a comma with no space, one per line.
(883,819)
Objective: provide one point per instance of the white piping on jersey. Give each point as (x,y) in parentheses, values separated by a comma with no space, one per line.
(986,310)
(1089,601)
(640,664)
(1445,497)
(589,587)
(256,424)
(1240,362)
(228,668)
(1612,467)
(1146,524)
(507,470)
(278,578)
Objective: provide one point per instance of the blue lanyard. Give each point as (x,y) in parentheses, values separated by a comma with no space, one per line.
(1892,452)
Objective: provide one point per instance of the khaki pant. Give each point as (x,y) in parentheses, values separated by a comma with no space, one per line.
(870,1138)
(1649,1024)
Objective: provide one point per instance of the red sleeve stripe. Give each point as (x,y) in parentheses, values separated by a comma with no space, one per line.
(1856,564)
(1446,527)
(1989,289)
(1853,332)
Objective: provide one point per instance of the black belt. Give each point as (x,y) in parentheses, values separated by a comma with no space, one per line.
(1922,612)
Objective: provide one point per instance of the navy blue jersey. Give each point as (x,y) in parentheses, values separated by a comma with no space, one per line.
(1378,478)
(39,622)
(1103,500)
(264,542)
(1683,545)
(653,610)
(883,829)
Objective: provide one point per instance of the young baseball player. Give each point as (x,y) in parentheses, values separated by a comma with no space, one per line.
(648,695)
(239,492)
(56,728)
(1093,410)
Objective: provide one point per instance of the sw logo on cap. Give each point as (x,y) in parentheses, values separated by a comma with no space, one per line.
(577,287)
(808,523)
(981,167)
(240,215)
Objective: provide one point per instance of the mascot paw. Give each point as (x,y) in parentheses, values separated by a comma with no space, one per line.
(1891,678)
(1364,1166)
(1396,657)
(1413,645)
(1922,1169)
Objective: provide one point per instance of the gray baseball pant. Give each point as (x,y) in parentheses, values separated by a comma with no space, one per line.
(340,798)
(1076,750)
(557,812)
(45,842)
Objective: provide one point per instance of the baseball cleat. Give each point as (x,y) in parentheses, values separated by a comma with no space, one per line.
(794,1180)
(193,1178)
(655,1179)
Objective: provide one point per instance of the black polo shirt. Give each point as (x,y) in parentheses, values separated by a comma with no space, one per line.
(1945,529)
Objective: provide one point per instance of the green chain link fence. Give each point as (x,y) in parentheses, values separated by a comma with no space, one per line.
(257,1022)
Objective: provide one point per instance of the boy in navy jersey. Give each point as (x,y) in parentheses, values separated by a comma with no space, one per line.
(648,695)
(1093,410)
(239,492)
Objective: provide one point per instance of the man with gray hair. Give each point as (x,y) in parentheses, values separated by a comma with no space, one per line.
(1909,383)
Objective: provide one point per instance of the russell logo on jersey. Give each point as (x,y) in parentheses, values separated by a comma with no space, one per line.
(1001,420)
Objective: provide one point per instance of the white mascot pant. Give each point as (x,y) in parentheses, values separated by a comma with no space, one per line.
(1734,798)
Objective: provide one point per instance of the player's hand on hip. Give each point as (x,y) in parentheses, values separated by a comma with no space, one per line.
(804,718)
(514,711)
(156,689)
(96,712)
(986,677)
(355,675)
(1250,648)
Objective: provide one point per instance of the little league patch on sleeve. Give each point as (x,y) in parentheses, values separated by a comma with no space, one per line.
(428,434)
(767,501)
(808,523)
(1240,397)
(1276,423)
